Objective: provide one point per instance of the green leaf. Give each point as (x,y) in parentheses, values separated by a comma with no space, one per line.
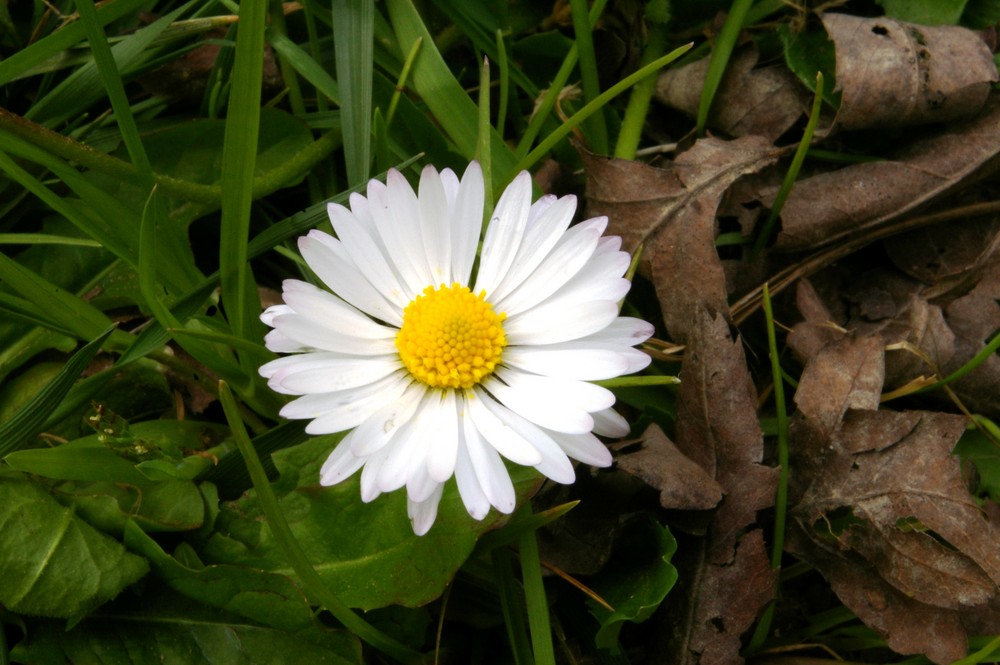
(353,36)
(162,627)
(174,505)
(265,597)
(52,562)
(366,553)
(636,579)
(808,52)
(981,14)
(28,421)
(926,12)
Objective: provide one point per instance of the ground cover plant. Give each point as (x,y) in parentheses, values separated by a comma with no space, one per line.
(802,461)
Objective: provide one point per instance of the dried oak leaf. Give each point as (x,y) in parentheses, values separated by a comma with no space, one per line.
(764,101)
(825,208)
(660,464)
(893,74)
(975,319)
(673,212)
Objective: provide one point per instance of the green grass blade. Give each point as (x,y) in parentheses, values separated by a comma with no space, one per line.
(305,66)
(642,94)
(444,96)
(512,607)
(60,40)
(28,421)
(721,52)
(484,148)
(238,158)
(595,126)
(535,599)
(353,40)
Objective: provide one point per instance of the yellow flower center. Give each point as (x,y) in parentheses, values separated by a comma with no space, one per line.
(451,338)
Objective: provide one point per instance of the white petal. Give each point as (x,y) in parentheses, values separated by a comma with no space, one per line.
(504,233)
(395,216)
(600,279)
(350,408)
(436,225)
(340,465)
(609,422)
(505,440)
(549,411)
(489,469)
(327,258)
(587,396)
(450,183)
(279,343)
(406,454)
(587,364)
(267,316)
(379,429)
(466,223)
(316,334)
(420,485)
(585,448)
(329,310)
(330,374)
(554,464)
(423,514)
(444,450)
(547,222)
(475,500)
(367,255)
(560,322)
(567,258)
(624,330)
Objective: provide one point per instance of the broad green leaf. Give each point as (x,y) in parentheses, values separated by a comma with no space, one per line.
(268,598)
(636,579)
(978,448)
(926,12)
(174,505)
(161,627)
(52,562)
(981,14)
(366,553)
(808,52)
(84,459)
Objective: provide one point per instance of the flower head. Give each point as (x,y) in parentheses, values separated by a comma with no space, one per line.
(439,370)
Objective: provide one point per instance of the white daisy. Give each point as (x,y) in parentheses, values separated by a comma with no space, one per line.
(438,370)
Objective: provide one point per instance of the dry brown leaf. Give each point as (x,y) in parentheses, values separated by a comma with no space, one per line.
(828,207)
(764,102)
(672,211)
(945,252)
(975,320)
(893,74)
(683,484)
(909,627)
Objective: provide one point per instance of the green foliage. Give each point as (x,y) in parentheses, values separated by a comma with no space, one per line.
(926,12)
(55,564)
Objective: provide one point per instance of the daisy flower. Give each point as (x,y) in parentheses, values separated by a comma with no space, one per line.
(439,368)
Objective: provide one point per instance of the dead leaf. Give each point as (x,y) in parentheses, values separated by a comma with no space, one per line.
(894,74)
(683,484)
(764,101)
(828,207)
(975,319)
(672,211)
(908,626)
(946,252)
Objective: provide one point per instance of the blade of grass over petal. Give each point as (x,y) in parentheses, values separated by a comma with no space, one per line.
(483,152)
(642,94)
(444,96)
(534,595)
(767,230)
(595,126)
(238,159)
(763,629)
(514,618)
(313,585)
(541,114)
(353,39)
(28,421)
(725,42)
(574,121)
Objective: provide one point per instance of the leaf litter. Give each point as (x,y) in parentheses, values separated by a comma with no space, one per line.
(896,284)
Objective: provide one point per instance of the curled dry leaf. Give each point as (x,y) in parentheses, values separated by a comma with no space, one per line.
(828,207)
(764,101)
(892,73)
(683,484)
